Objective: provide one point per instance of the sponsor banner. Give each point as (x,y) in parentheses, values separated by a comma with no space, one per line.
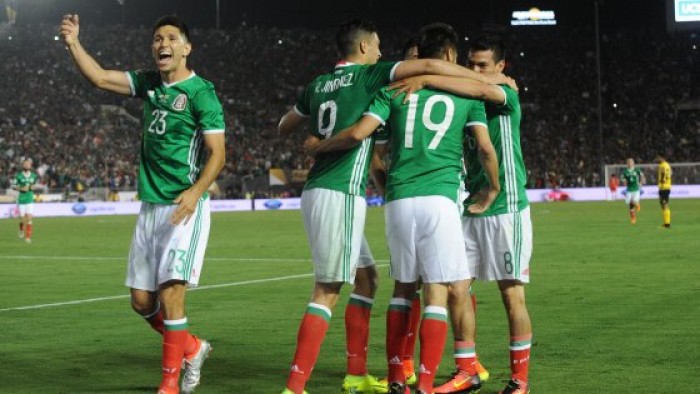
(687,10)
(109,208)
(603,193)
(273,204)
(231,205)
(533,17)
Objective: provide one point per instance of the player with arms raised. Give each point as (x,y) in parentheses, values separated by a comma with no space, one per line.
(182,119)
(24,184)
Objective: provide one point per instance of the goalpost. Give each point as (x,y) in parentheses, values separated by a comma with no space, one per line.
(683,173)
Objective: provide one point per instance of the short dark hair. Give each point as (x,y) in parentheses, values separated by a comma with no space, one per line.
(172,20)
(410,42)
(348,34)
(435,38)
(490,43)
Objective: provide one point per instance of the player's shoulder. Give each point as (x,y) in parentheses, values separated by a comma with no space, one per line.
(149,76)
(199,83)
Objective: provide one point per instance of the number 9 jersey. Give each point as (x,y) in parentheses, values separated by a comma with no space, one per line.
(175,118)
(334,102)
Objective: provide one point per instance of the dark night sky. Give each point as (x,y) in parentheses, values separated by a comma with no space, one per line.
(316,14)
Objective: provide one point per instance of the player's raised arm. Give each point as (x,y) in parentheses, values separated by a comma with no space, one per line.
(464,87)
(411,68)
(346,139)
(110,80)
(489,161)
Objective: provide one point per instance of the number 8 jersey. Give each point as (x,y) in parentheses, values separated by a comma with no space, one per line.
(175,118)
(336,101)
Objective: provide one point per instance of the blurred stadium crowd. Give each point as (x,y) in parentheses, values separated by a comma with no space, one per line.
(80,138)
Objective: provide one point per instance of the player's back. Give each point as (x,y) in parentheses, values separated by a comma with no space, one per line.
(427,136)
(664,176)
(335,101)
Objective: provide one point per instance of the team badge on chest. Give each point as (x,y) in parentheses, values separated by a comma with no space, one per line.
(180,102)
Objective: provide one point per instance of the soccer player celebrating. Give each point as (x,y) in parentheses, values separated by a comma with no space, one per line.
(498,241)
(423,224)
(664,182)
(333,202)
(633,178)
(182,119)
(24,184)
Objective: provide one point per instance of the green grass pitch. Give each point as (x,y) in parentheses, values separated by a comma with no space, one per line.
(614,306)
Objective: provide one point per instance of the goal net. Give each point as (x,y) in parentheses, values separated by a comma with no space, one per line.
(683,173)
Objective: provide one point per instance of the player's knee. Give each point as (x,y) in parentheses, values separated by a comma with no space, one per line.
(366,281)
(142,306)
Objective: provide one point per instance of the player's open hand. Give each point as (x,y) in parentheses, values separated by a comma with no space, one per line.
(186,205)
(483,201)
(70,27)
(501,79)
(408,86)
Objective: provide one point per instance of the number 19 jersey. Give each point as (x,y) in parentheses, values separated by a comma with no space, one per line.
(175,118)
(427,137)
(336,101)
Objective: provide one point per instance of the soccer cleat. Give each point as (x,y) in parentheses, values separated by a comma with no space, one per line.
(409,373)
(515,386)
(460,382)
(633,220)
(398,388)
(28,240)
(20,234)
(638,207)
(364,384)
(288,391)
(483,373)
(193,368)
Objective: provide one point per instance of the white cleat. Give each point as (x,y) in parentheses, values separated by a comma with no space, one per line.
(27,240)
(20,234)
(193,368)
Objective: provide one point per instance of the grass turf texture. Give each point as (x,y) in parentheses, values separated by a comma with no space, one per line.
(614,306)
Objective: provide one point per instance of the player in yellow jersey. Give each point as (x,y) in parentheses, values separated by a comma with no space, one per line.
(663,179)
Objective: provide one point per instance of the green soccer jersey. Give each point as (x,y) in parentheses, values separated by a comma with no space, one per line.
(504,130)
(632,176)
(334,102)
(427,139)
(23,179)
(175,118)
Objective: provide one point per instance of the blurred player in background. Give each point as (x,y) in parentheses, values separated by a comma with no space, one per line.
(333,201)
(613,184)
(182,119)
(423,224)
(633,178)
(664,182)
(24,184)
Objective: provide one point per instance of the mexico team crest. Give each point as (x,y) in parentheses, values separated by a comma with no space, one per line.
(180,102)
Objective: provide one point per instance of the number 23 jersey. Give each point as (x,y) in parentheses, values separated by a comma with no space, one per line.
(175,118)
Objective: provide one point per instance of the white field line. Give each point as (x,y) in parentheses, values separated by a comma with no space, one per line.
(221,285)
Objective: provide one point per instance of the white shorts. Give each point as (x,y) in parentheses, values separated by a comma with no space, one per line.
(25,209)
(161,252)
(632,197)
(499,247)
(425,240)
(334,223)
